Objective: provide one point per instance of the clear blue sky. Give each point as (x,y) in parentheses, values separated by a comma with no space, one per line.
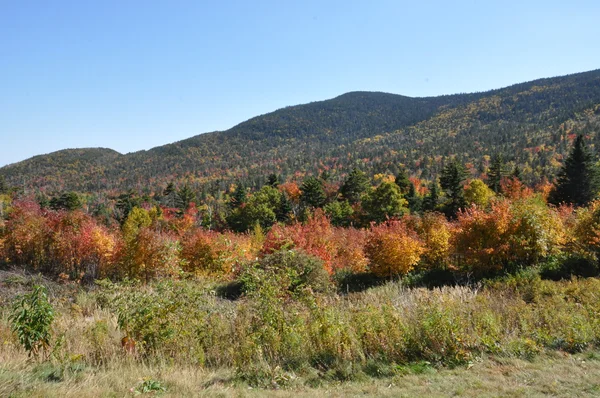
(132,75)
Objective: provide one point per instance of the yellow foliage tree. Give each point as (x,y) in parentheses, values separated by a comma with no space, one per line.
(586,230)
(435,231)
(478,193)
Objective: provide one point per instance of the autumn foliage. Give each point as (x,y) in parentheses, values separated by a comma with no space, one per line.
(315,237)
(393,249)
(520,232)
(515,229)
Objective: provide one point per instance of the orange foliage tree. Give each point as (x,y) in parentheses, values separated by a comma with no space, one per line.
(350,253)
(393,249)
(315,237)
(78,246)
(26,234)
(521,232)
(480,242)
(208,252)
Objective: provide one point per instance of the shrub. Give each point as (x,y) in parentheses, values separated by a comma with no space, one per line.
(586,230)
(536,231)
(569,265)
(349,282)
(350,254)
(393,249)
(31,319)
(152,254)
(522,232)
(436,232)
(164,317)
(198,252)
(78,246)
(480,243)
(315,237)
(149,386)
(292,270)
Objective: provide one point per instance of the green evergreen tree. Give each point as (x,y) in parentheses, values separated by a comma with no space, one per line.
(431,200)
(577,182)
(273,180)
(339,212)
(313,193)
(516,173)
(125,203)
(43,200)
(185,196)
(261,208)
(452,181)
(169,189)
(325,175)
(415,201)
(495,173)
(67,201)
(403,181)
(284,210)
(169,195)
(354,186)
(239,197)
(3,186)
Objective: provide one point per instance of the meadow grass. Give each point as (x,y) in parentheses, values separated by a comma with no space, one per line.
(516,336)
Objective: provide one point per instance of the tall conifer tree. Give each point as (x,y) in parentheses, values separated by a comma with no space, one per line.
(452,181)
(495,173)
(577,182)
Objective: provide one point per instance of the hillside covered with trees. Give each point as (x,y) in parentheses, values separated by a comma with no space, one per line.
(529,124)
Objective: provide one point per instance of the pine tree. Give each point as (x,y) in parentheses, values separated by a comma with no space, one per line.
(453,177)
(3,186)
(273,180)
(577,182)
(284,210)
(415,201)
(403,181)
(325,175)
(431,200)
(169,195)
(169,189)
(239,197)
(125,204)
(354,186)
(495,173)
(67,201)
(313,193)
(185,196)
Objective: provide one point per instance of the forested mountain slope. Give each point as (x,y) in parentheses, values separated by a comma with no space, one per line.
(528,123)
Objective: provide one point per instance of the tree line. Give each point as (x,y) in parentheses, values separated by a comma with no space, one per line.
(385,225)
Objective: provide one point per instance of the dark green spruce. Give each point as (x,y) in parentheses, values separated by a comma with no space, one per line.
(577,182)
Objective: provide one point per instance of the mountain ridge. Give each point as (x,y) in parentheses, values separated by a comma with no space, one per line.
(308,138)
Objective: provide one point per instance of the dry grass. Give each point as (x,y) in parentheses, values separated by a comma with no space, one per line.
(501,340)
(553,374)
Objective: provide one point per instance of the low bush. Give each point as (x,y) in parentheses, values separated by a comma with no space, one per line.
(567,266)
(292,270)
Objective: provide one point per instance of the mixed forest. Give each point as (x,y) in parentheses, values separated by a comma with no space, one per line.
(368,235)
